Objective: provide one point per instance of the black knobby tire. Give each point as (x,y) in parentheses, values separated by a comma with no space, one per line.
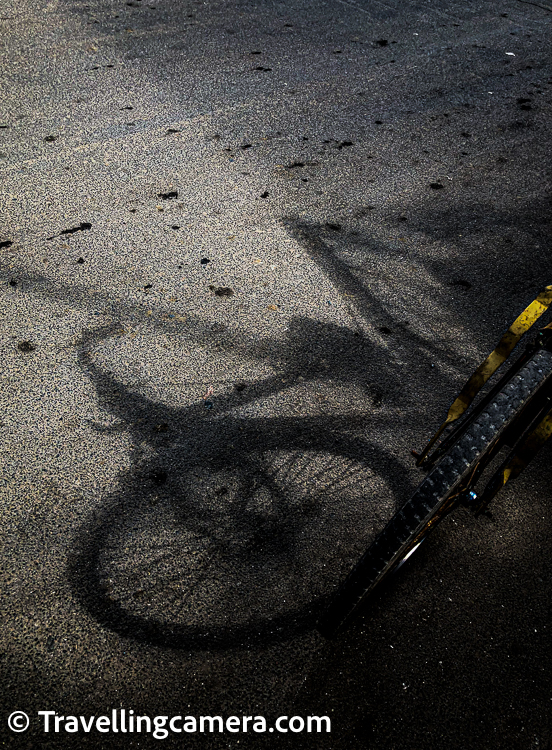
(407,527)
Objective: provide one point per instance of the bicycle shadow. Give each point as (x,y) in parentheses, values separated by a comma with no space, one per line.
(266,502)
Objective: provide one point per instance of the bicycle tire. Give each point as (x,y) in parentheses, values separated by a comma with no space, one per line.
(410,524)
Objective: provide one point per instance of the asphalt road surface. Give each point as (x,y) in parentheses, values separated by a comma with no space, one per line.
(249,252)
